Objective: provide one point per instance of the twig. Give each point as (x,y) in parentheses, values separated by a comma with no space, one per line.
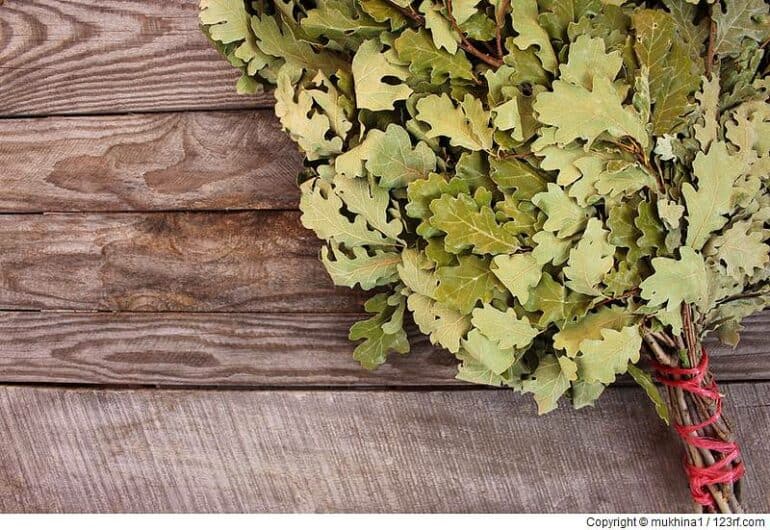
(741,296)
(515,155)
(622,296)
(678,418)
(689,408)
(699,456)
(641,156)
(710,51)
(665,339)
(706,410)
(502,10)
(408,12)
(466,45)
(660,355)
(719,429)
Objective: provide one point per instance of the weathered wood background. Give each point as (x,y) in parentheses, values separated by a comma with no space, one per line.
(169,342)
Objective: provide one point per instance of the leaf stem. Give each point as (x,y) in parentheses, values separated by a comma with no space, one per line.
(710,51)
(408,12)
(742,296)
(502,10)
(466,45)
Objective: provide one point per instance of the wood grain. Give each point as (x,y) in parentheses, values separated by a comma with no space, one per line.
(319,451)
(113,56)
(263,350)
(176,161)
(255,350)
(247,261)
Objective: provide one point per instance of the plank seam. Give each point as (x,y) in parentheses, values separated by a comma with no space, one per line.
(146,211)
(108,114)
(460,387)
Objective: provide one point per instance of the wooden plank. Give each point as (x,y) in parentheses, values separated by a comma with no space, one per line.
(179,161)
(256,350)
(76,57)
(199,451)
(247,261)
(751,358)
(263,350)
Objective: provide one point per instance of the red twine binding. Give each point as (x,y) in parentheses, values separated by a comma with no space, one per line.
(722,471)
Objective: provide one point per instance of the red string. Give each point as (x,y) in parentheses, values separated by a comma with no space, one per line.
(725,470)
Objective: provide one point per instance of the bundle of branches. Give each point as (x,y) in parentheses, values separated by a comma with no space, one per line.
(557,191)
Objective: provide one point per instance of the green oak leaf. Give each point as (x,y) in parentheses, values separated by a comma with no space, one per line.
(559,15)
(590,260)
(521,216)
(275,39)
(673,75)
(588,59)
(416,272)
(742,249)
(442,324)
(644,380)
(228,19)
(382,333)
(693,35)
(590,327)
(340,20)
(565,216)
(551,249)
(518,273)
(621,178)
(708,98)
(670,212)
(473,371)
(479,27)
(585,394)
(550,381)
(360,268)
(473,169)
(416,48)
(504,327)
(649,225)
(463,286)
(384,11)
(601,359)
(228,22)
(440,29)
(591,112)
(470,225)
(370,67)
(742,19)
(363,197)
(462,10)
(392,158)
(306,124)
(518,177)
(676,281)
(421,193)
(531,33)
(555,303)
(321,212)
(716,173)
(621,223)
(488,352)
(466,125)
